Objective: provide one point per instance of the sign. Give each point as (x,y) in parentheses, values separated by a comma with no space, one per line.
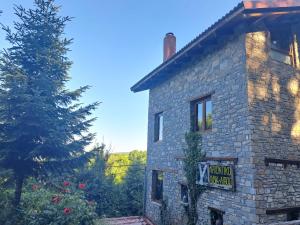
(216,175)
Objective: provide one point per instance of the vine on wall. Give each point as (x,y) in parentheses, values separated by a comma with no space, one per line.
(165,213)
(192,155)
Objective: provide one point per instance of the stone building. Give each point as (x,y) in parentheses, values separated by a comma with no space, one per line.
(237,84)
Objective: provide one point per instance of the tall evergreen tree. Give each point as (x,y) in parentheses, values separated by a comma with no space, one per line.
(43,127)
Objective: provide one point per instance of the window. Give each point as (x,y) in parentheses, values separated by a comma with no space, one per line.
(281,40)
(157,185)
(216,217)
(294,215)
(283,45)
(158,127)
(184,194)
(202,114)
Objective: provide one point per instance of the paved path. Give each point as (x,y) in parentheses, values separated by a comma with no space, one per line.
(133,220)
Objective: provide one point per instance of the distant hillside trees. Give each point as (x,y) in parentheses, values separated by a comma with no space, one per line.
(133,185)
(119,163)
(117,166)
(115,197)
(43,127)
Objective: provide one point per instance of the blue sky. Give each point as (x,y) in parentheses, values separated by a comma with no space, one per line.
(116,43)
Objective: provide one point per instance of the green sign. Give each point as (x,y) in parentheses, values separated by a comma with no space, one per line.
(216,175)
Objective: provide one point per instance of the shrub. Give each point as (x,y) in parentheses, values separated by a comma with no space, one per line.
(56,205)
(5,205)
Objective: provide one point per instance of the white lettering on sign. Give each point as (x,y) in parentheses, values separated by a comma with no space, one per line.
(203,169)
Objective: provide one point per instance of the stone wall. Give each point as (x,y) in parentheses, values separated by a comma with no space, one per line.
(274,106)
(256,114)
(223,75)
(288,223)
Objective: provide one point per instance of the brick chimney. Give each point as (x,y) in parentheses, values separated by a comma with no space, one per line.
(169,46)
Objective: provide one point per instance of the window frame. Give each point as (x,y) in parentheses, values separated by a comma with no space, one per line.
(194,117)
(154,186)
(158,129)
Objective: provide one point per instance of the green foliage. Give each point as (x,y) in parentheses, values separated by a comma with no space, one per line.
(116,168)
(5,205)
(5,177)
(39,206)
(52,202)
(112,198)
(137,156)
(43,127)
(119,163)
(165,213)
(193,154)
(133,185)
(101,195)
(100,188)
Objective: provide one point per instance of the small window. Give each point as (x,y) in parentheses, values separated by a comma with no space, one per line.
(202,114)
(216,217)
(294,215)
(157,185)
(184,194)
(158,127)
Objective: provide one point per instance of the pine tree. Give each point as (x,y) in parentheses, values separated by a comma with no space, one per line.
(43,127)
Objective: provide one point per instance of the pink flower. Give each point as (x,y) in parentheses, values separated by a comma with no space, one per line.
(81,186)
(35,187)
(67,211)
(66,183)
(55,199)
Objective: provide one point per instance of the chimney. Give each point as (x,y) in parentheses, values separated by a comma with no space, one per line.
(169,46)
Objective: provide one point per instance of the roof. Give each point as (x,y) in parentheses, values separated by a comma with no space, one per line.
(133,220)
(245,12)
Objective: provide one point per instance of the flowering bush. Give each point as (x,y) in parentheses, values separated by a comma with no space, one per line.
(66,183)
(53,204)
(81,186)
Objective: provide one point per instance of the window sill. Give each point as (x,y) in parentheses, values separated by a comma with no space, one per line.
(280,56)
(297,69)
(207,131)
(156,202)
(158,142)
(184,204)
(204,131)
(283,62)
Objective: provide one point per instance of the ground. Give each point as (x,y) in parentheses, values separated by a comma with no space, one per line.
(133,220)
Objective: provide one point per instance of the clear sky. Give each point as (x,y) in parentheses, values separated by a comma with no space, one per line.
(116,43)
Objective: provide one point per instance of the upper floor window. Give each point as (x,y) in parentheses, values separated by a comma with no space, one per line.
(202,114)
(157,185)
(284,46)
(158,127)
